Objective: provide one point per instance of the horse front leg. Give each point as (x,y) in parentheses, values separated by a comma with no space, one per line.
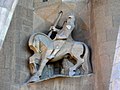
(38,74)
(44,61)
(42,65)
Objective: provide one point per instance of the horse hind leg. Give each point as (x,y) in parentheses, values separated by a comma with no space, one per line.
(73,69)
(82,60)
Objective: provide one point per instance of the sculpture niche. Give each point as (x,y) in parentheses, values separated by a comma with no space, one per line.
(58,47)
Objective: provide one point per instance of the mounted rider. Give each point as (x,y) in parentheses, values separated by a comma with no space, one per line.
(60,35)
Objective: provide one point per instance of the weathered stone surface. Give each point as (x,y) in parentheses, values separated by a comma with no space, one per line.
(104,48)
(104,17)
(116,20)
(11,57)
(111,35)
(105,12)
(26,4)
(107,68)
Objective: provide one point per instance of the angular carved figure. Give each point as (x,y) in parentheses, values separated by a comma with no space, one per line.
(56,46)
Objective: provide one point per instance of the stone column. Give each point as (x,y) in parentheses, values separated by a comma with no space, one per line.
(7,8)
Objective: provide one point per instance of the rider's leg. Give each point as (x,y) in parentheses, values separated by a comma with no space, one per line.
(52,55)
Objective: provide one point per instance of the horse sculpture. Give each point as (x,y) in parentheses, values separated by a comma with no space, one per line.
(52,50)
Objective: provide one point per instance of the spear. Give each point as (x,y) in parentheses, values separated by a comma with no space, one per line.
(53,28)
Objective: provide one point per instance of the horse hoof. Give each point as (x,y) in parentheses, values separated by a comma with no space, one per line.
(71,73)
(34,79)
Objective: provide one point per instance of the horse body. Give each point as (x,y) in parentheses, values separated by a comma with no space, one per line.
(77,50)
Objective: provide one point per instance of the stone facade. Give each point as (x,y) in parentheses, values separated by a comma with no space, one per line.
(97,25)
(13,67)
(106,24)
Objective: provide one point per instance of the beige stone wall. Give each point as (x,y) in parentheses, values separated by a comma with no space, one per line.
(96,25)
(106,21)
(45,14)
(14,54)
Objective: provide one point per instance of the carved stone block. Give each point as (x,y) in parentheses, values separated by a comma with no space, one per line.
(57,54)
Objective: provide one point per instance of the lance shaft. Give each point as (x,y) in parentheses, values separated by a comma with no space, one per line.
(58,18)
(53,28)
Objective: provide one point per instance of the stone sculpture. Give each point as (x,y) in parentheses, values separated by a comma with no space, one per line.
(58,45)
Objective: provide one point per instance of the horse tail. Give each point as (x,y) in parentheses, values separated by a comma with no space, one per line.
(86,65)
